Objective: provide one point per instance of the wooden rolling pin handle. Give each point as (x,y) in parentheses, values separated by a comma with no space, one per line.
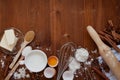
(105,52)
(94,36)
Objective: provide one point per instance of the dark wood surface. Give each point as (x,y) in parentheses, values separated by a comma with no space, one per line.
(53,19)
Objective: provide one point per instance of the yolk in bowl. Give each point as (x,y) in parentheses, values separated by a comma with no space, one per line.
(52,61)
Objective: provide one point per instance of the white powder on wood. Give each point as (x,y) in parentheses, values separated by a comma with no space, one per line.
(2,63)
(21,73)
(81,54)
(94,51)
(74,65)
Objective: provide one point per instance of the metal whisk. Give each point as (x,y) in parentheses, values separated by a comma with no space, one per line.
(66,51)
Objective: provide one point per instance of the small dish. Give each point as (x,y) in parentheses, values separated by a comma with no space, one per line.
(19,35)
(49,72)
(53,61)
(68,75)
(36,60)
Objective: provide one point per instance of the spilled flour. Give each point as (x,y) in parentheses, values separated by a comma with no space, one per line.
(21,73)
(74,65)
(2,63)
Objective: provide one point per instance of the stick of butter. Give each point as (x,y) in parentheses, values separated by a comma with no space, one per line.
(8,41)
(10,36)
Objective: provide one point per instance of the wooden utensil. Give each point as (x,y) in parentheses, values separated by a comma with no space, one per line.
(105,52)
(14,68)
(29,36)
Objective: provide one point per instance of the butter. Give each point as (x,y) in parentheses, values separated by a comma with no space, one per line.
(8,40)
(10,36)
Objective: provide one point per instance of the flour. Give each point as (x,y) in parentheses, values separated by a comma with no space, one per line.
(74,65)
(21,73)
(2,63)
(81,54)
(94,51)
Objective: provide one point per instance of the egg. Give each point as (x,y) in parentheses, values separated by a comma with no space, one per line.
(68,75)
(53,61)
(49,72)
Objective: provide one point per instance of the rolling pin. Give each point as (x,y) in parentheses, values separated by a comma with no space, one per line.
(105,52)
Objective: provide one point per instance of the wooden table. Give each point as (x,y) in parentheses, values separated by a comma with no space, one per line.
(53,19)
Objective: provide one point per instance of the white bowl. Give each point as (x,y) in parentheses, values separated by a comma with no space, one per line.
(36,61)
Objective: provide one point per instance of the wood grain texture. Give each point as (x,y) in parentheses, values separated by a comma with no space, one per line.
(53,19)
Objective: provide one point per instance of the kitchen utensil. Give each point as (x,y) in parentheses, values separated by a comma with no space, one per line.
(13,69)
(68,75)
(105,52)
(66,51)
(36,61)
(29,36)
(49,72)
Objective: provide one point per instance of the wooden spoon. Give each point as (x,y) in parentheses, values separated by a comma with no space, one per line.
(105,52)
(14,68)
(29,36)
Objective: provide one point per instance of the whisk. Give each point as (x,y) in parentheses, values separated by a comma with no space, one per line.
(66,51)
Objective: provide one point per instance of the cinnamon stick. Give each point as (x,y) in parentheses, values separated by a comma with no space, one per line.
(116,35)
(100,73)
(112,43)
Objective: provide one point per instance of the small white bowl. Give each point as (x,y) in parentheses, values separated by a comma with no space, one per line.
(49,72)
(68,75)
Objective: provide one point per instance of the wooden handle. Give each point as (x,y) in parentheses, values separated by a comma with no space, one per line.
(17,56)
(94,36)
(106,53)
(14,68)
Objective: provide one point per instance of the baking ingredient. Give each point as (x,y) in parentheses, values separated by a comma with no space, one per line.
(2,63)
(4,42)
(52,61)
(21,73)
(49,72)
(68,75)
(81,54)
(10,36)
(73,65)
